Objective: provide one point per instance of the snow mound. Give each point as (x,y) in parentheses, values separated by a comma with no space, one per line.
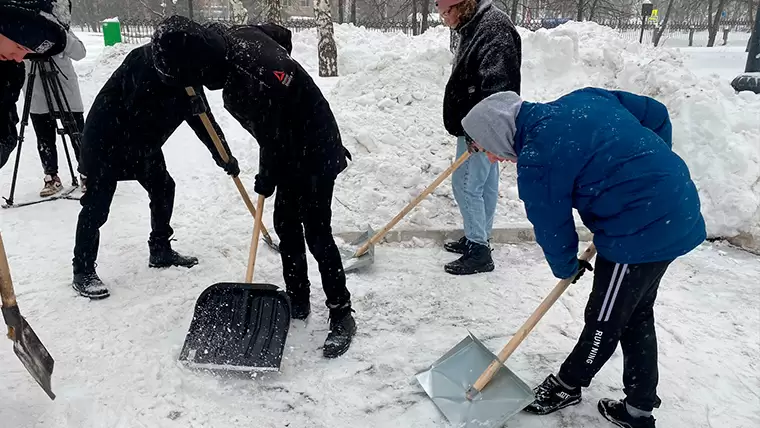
(388,102)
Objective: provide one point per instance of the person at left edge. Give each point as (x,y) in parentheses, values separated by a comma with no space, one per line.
(301,153)
(131,118)
(26,28)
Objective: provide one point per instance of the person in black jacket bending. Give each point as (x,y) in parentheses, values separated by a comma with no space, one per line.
(129,121)
(301,153)
(487,60)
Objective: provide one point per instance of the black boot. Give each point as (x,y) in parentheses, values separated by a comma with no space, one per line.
(615,412)
(88,284)
(552,396)
(162,255)
(300,307)
(476,259)
(456,247)
(342,330)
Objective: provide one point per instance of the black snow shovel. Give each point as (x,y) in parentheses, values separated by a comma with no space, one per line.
(26,344)
(200,109)
(365,255)
(239,327)
(457,381)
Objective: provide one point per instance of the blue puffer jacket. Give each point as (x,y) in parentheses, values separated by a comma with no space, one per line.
(607,154)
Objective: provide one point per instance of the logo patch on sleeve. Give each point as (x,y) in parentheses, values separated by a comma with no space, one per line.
(285,79)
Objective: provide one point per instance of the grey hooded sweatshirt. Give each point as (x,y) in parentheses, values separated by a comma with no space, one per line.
(491,123)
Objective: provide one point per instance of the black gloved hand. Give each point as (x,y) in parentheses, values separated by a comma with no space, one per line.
(263,186)
(231,167)
(584,266)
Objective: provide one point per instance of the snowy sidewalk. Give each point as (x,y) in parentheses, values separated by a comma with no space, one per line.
(116,359)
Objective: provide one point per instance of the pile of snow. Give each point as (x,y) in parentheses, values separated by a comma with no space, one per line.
(388,102)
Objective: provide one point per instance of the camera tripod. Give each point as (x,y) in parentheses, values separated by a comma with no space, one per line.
(51,85)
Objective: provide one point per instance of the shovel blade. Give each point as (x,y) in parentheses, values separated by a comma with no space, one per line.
(33,355)
(352,262)
(270,242)
(447,380)
(238,327)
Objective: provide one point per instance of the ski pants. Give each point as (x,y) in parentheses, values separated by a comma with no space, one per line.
(304,205)
(152,175)
(45,129)
(620,309)
(8,132)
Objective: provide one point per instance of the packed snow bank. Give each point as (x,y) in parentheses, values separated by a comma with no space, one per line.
(388,101)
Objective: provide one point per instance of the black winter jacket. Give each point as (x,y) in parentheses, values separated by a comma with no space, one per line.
(276,100)
(133,116)
(11,81)
(488,60)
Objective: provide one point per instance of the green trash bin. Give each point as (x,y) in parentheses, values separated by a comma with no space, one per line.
(111,31)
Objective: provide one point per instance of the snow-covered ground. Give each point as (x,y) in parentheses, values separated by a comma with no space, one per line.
(116,359)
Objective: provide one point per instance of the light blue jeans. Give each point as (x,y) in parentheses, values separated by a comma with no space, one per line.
(476,188)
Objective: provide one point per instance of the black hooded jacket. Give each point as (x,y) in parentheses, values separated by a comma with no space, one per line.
(268,92)
(11,81)
(487,61)
(133,116)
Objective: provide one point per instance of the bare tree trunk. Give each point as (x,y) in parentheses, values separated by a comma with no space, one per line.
(250,6)
(415,30)
(274,11)
(327,51)
(714,26)
(341,6)
(513,10)
(659,32)
(580,11)
(425,13)
(593,10)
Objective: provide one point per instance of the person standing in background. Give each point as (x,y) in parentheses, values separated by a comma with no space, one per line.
(45,125)
(487,60)
(25,28)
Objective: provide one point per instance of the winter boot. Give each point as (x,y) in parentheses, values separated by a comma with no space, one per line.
(456,247)
(300,307)
(476,259)
(52,186)
(89,285)
(552,396)
(342,330)
(162,255)
(615,412)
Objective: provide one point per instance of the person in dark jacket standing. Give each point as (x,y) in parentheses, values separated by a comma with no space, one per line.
(26,27)
(609,155)
(487,60)
(130,120)
(301,153)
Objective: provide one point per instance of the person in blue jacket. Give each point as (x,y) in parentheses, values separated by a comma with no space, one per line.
(608,154)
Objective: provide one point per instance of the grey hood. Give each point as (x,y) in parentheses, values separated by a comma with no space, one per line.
(491,123)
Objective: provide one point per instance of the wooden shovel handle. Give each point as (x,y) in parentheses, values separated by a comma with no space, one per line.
(379,235)
(255,240)
(226,158)
(6,283)
(526,328)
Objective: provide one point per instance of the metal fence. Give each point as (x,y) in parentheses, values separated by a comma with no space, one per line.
(139,31)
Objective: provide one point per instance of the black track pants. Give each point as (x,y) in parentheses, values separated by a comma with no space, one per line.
(620,310)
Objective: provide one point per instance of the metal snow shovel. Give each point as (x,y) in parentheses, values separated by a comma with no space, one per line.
(26,344)
(239,326)
(200,107)
(457,381)
(365,255)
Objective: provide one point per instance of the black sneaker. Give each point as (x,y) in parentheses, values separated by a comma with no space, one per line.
(615,412)
(342,330)
(89,285)
(476,259)
(552,396)
(300,307)
(162,256)
(456,247)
